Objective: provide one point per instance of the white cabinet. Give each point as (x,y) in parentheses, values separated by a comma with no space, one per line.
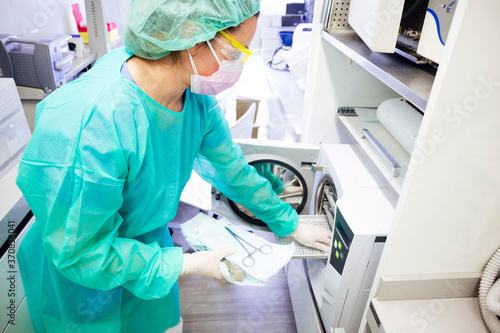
(344,72)
(446,222)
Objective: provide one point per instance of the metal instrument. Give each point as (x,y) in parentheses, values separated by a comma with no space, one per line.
(249,261)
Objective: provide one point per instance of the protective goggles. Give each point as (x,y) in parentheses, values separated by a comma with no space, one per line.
(235,51)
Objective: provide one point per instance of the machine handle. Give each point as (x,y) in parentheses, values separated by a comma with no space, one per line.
(5,62)
(325,13)
(322,15)
(15,40)
(8,128)
(396,168)
(313,166)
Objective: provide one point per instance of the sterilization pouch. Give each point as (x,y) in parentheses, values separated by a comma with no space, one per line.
(205,233)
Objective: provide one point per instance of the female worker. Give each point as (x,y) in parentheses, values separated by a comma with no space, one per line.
(110,155)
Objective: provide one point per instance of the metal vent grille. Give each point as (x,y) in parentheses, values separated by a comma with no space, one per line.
(24,69)
(339,17)
(414,107)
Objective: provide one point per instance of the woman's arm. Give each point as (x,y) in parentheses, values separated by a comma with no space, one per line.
(73,183)
(221,162)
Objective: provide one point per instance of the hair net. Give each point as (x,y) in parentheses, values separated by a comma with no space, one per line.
(156,27)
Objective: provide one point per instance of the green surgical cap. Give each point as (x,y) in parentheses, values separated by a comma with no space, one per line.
(156,27)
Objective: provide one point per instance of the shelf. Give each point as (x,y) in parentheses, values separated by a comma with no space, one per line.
(80,63)
(288,96)
(355,125)
(455,315)
(413,82)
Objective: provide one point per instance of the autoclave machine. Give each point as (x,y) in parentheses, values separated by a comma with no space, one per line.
(337,187)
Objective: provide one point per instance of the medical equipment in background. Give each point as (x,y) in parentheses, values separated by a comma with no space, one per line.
(415,29)
(293,54)
(297,58)
(36,60)
(83,30)
(39,64)
(438,18)
(102,35)
(271,40)
(295,15)
(277,60)
(336,187)
(489,293)
(15,215)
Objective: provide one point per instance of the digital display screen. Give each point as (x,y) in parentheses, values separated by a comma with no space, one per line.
(342,239)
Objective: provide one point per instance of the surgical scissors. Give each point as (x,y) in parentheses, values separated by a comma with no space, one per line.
(249,261)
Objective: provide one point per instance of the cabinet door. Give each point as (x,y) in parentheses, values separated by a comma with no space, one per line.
(23,322)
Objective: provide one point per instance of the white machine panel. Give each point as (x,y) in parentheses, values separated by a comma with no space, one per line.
(410,28)
(377,22)
(358,184)
(436,27)
(14,129)
(363,212)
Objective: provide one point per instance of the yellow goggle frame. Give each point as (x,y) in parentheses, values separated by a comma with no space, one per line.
(248,52)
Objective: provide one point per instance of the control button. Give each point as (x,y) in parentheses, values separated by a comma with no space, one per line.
(341,255)
(335,243)
(337,254)
(340,246)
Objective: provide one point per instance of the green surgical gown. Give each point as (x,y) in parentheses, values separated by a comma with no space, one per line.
(103,174)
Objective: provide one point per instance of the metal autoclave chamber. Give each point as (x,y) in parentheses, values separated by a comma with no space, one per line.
(337,187)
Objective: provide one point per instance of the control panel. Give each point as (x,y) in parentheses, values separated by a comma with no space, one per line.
(342,239)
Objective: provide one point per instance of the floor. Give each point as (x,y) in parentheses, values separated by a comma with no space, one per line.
(209,305)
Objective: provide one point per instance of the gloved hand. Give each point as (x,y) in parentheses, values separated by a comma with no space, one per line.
(313,236)
(206,263)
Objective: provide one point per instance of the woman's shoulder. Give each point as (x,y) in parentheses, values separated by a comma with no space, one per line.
(103,81)
(86,96)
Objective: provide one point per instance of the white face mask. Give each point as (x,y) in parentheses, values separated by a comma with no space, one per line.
(225,77)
